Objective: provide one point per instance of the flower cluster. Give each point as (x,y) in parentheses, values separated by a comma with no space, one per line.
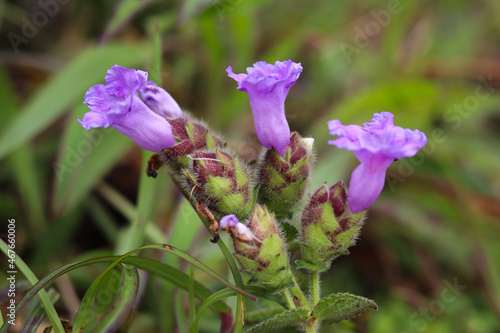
(265,196)
(259,247)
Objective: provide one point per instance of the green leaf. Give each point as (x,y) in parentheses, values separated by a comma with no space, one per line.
(154,267)
(22,162)
(286,318)
(65,88)
(38,315)
(215,297)
(337,307)
(49,307)
(108,301)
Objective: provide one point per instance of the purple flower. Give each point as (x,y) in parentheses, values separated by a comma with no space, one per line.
(118,104)
(230,220)
(376,145)
(267,87)
(160,101)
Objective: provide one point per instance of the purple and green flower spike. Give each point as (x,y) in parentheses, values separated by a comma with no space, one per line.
(376,145)
(117,104)
(260,248)
(267,87)
(224,189)
(283,180)
(328,229)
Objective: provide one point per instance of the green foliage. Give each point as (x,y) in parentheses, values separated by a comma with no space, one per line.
(293,317)
(108,301)
(342,306)
(436,219)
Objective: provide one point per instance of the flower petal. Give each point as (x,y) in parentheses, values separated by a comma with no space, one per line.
(94,119)
(148,129)
(98,99)
(376,145)
(160,101)
(230,220)
(267,87)
(367,182)
(123,82)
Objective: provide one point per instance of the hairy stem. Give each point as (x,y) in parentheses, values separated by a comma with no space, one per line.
(288,298)
(315,289)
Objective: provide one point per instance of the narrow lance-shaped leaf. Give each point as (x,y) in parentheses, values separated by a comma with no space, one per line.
(108,301)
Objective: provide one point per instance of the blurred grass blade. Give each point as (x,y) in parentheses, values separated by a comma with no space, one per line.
(215,297)
(124,12)
(180,313)
(176,277)
(84,158)
(108,301)
(116,260)
(22,162)
(154,267)
(191,8)
(192,307)
(65,88)
(196,263)
(49,307)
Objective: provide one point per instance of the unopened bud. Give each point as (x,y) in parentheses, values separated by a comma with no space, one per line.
(328,228)
(160,101)
(283,180)
(263,256)
(190,136)
(222,181)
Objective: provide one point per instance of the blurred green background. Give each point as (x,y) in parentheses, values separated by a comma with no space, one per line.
(429,254)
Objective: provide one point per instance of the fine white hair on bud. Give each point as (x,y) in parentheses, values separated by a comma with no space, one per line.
(308,144)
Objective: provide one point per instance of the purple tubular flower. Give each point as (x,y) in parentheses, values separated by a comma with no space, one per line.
(376,145)
(118,104)
(160,101)
(230,220)
(267,87)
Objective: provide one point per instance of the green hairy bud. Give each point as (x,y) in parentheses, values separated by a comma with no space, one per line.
(263,255)
(190,136)
(283,180)
(221,181)
(328,228)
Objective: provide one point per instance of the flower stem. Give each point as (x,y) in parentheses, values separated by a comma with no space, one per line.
(310,329)
(288,298)
(298,294)
(315,289)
